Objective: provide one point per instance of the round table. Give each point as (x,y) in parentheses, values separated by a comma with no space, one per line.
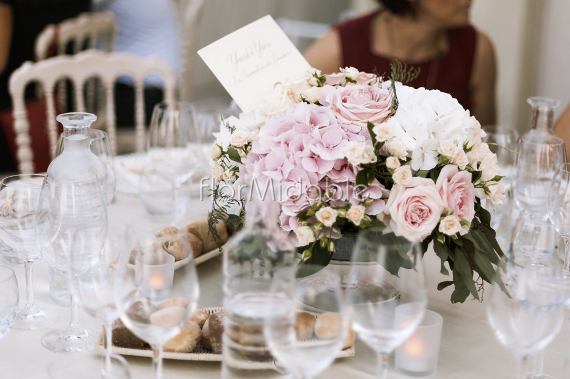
(469,349)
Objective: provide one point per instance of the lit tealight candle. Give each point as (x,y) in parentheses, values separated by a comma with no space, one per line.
(419,354)
(156,273)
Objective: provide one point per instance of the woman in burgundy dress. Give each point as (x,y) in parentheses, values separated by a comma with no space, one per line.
(434,35)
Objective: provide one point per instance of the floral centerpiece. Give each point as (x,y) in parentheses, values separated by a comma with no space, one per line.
(351,151)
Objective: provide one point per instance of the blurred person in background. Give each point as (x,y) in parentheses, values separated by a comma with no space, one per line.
(21,21)
(145,28)
(433,35)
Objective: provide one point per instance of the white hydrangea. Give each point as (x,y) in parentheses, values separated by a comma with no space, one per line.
(350,72)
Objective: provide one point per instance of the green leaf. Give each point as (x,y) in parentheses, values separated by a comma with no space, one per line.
(460,294)
(234,154)
(372,135)
(462,271)
(443,285)
(484,216)
(485,267)
(362,178)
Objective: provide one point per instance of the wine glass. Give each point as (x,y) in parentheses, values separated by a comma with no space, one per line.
(504,144)
(171,148)
(538,161)
(560,213)
(308,318)
(19,198)
(388,292)
(101,147)
(154,301)
(74,223)
(9,295)
(524,311)
(93,282)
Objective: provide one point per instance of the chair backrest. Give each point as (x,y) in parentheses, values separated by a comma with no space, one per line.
(90,30)
(107,67)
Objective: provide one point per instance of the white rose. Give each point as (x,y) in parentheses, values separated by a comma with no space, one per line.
(327,216)
(450,225)
(460,159)
(402,174)
(304,235)
(216,152)
(497,194)
(350,72)
(383,132)
(240,139)
(355,214)
(392,163)
(217,171)
(448,148)
(397,149)
(489,167)
(360,153)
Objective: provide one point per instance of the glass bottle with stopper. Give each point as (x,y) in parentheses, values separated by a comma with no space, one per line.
(253,259)
(74,159)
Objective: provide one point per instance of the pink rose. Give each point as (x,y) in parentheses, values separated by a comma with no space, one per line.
(457,191)
(362,103)
(415,208)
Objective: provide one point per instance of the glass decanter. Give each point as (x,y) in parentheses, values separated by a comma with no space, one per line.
(542,118)
(74,159)
(74,162)
(253,259)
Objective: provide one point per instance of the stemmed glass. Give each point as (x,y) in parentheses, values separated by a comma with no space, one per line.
(387,292)
(101,147)
(93,282)
(170,149)
(538,162)
(312,302)
(19,198)
(560,213)
(524,310)
(9,295)
(154,301)
(74,223)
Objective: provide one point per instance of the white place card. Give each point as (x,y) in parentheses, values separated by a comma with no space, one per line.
(251,60)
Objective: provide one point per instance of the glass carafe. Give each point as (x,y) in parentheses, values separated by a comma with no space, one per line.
(74,159)
(542,118)
(74,162)
(253,258)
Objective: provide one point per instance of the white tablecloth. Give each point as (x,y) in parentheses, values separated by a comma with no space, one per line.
(469,348)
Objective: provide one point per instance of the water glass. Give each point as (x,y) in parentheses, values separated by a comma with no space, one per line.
(19,210)
(524,311)
(388,299)
(93,280)
(74,223)
(9,295)
(307,319)
(101,147)
(538,162)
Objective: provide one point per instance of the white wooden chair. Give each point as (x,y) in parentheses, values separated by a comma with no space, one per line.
(90,30)
(78,69)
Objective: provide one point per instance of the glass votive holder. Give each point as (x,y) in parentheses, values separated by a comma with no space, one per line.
(419,354)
